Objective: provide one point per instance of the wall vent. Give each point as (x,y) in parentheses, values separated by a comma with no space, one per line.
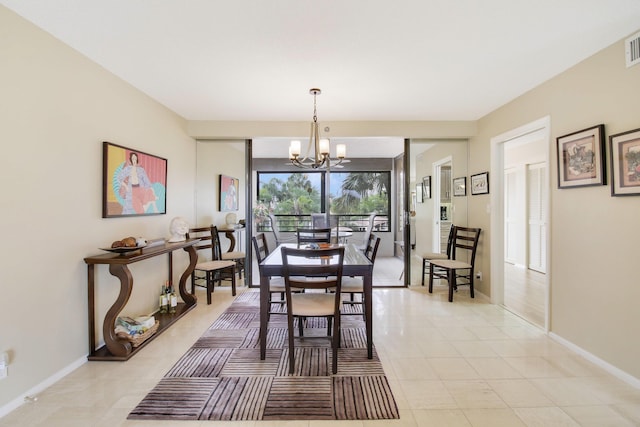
(632,50)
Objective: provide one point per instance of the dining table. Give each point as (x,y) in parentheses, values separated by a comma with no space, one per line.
(355,264)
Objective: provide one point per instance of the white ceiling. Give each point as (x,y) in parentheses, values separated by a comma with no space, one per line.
(373,59)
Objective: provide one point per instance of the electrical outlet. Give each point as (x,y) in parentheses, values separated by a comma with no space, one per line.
(479,275)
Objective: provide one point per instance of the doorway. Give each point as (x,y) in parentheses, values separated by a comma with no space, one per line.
(520,221)
(442,204)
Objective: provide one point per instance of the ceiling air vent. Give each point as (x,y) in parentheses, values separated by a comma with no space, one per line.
(632,50)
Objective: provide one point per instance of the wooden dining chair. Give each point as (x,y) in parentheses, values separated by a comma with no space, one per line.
(462,262)
(209,268)
(313,235)
(427,257)
(316,271)
(355,285)
(276,284)
(237,256)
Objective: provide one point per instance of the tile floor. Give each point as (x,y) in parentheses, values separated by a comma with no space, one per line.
(466,363)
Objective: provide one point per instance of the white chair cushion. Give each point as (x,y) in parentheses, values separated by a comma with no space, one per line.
(451,263)
(233,255)
(352,284)
(312,304)
(214,265)
(434,255)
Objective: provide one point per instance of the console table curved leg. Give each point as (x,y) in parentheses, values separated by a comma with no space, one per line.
(189,299)
(229,234)
(116,346)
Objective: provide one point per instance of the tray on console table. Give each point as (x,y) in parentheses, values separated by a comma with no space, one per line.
(116,348)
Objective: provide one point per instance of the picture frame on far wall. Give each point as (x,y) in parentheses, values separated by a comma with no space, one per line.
(460,186)
(419,193)
(480,183)
(625,163)
(134,183)
(581,158)
(426,186)
(228,193)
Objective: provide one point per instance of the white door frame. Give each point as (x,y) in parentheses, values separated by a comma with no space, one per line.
(497,209)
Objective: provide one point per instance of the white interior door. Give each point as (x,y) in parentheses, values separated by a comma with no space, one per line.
(510,242)
(537,213)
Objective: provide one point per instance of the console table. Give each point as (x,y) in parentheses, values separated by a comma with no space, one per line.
(116,348)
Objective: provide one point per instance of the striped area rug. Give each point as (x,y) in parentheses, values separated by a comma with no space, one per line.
(222,377)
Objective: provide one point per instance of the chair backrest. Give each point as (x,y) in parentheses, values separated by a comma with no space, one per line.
(324,265)
(369,230)
(217,248)
(275,229)
(260,246)
(465,238)
(314,235)
(319,220)
(371,250)
(205,234)
(450,240)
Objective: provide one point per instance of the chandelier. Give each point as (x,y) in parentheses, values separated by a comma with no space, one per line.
(321,155)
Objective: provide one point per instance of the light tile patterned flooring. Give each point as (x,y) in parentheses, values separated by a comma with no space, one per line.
(466,363)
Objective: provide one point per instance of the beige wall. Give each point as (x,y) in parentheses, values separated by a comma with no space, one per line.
(214,159)
(56,108)
(594,278)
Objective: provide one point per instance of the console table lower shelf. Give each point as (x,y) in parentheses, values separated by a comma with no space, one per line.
(166,320)
(121,349)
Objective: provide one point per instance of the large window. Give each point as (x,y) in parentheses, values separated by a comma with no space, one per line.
(352,196)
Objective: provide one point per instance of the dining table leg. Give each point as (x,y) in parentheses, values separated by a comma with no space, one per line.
(367,282)
(264,314)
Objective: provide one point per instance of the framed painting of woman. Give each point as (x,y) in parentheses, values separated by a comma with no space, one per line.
(228,193)
(133,182)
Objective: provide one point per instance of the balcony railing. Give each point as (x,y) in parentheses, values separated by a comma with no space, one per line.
(356,222)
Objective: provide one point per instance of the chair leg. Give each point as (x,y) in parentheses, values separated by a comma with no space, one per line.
(335,345)
(430,278)
(209,280)
(292,360)
(233,280)
(452,283)
(424,269)
(471,284)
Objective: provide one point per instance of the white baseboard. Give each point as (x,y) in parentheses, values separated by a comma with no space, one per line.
(23,398)
(616,372)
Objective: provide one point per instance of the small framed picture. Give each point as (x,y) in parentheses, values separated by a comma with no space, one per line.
(229,187)
(460,186)
(625,163)
(480,183)
(426,186)
(419,193)
(581,158)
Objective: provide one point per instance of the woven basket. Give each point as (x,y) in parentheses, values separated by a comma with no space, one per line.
(138,339)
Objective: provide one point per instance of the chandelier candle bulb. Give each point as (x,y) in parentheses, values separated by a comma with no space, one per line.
(294,149)
(341,151)
(324,146)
